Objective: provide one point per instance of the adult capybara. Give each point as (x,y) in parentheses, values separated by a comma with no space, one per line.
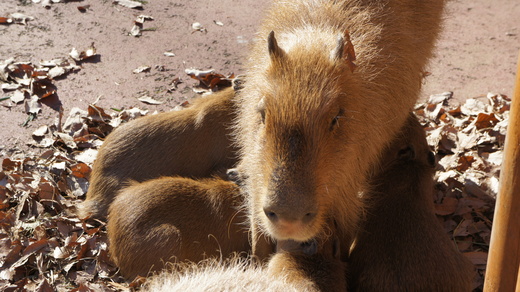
(194,142)
(173,219)
(401,245)
(329,84)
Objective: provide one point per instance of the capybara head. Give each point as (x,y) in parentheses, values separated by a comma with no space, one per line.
(304,139)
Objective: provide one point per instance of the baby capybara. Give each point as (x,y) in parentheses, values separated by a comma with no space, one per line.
(173,219)
(401,245)
(329,84)
(290,269)
(317,261)
(194,142)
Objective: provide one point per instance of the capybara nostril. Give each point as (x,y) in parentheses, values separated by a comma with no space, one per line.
(307,218)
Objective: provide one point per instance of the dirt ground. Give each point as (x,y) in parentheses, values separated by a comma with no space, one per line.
(476,54)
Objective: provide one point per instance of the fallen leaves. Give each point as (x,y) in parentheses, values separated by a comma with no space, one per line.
(80,56)
(149,100)
(129,4)
(209,80)
(44,245)
(16,18)
(139,24)
(33,83)
(468,141)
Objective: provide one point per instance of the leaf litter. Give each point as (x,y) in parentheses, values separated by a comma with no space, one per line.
(43,244)
(29,83)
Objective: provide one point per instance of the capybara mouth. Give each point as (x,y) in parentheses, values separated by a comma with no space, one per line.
(309,247)
(292,230)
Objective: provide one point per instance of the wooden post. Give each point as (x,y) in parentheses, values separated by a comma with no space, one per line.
(504,251)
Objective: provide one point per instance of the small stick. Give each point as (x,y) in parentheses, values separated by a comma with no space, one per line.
(504,252)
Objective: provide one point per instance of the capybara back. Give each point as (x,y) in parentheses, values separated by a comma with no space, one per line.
(173,219)
(194,142)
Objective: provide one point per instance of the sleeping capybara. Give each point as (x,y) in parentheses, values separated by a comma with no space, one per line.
(329,84)
(174,219)
(194,142)
(401,246)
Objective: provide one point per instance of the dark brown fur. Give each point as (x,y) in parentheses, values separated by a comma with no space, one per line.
(401,245)
(194,142)
(175,219)
(317,262)
(310,125)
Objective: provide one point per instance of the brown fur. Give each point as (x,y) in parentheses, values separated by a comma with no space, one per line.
(193,143)
(173,219)
(401,245)
(309,128)
(288,270)
(318,263)
(228,276)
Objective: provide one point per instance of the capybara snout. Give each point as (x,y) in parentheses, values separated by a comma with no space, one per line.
(291,211)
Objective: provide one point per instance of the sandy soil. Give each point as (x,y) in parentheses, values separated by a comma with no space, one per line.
(477,52)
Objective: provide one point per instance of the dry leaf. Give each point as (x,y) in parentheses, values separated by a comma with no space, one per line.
(196,26)
(41,131)
(83,8)
(33,105)
(142,69)
(129,4)
(149,100)
(18,96)
(80,56)
(20,18)
(440,97)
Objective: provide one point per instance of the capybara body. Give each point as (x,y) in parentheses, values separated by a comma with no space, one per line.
(401,245)
(329,84)
(236,276)
(173,219)
(194,142)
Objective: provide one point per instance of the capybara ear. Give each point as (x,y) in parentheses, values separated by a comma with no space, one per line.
(274,50)
(345,50)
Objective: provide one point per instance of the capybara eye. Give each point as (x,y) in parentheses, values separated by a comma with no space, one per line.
(335,120)
(431,158)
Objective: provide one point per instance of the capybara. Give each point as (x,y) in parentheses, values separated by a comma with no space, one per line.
(236,276)
(317,261)
(329,84)
(173,219)
(194,142)
(401,246)
(288,270)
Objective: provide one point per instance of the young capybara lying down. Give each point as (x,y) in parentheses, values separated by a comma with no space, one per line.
(194,142)
(329,84)
(172,219)
(401,245)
